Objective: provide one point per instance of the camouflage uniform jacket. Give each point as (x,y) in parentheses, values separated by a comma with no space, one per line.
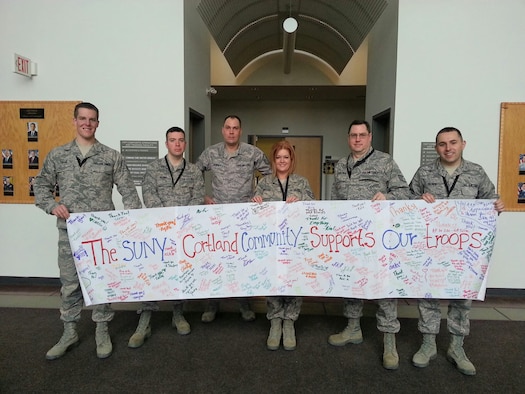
(268,188)
(469,181)
(361,180)
(233,175)
(85,184)
(158,189)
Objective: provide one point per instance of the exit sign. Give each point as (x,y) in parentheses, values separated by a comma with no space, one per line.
(22,65)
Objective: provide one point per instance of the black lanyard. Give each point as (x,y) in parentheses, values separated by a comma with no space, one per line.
(81,162)
(357,164)
(171,173)
(449,190)
(285,190)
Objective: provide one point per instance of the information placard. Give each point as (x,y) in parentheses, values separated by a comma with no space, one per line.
(138,154)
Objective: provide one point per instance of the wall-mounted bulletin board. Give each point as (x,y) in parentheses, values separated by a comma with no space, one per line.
(511,168)
(28,131)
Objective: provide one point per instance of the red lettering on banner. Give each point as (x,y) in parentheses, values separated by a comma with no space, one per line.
(97,248)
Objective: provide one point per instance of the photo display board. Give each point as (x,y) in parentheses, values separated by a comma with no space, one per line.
(28,131)
(511,168)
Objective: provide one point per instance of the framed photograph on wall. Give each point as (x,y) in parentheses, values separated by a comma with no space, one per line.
(32,131)
(7,158)
(9,187)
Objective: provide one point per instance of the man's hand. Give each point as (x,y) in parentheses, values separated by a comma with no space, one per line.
(61,212)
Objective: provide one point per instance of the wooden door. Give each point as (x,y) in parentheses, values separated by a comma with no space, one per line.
(308,154)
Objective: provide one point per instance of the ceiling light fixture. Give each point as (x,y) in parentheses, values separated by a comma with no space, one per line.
(290,30)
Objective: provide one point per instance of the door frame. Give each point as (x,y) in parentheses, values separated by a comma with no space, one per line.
(253,139)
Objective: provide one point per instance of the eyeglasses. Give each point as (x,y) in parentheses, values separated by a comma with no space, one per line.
(360,135)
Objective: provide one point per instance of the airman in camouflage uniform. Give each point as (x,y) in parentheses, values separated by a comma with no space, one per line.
(368,174)
(233,164)
(283,185)
(169,182)
(85,171)
(449,177)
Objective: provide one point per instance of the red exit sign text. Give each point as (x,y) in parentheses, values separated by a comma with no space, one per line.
(22,65)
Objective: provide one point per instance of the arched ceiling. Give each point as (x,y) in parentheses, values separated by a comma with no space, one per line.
(331,30)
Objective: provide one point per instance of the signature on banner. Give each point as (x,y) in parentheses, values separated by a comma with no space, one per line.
(354,249)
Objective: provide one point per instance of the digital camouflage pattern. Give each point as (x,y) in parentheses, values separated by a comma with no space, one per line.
(158,191)
(361,180)
(86,185)
(378,173)
(233,175)
(471,182)
(268,188)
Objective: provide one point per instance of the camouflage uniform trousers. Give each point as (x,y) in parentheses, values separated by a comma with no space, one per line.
(283,307)
(154,306)
(386,314)
(458,322)
(71,293)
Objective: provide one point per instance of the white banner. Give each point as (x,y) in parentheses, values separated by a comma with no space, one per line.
(352,249)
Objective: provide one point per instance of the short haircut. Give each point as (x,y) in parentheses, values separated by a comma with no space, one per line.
(287,146)
(174,129)
(359,122)
(232,117)
(84,105)
(448,130)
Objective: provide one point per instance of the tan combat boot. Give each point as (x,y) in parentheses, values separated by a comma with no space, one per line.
(179,322)
(456,355)
(104,345)
(274,338)
(351,334)
(246,311)
(211,311)
(289,342)
(426,352)
(142,332)
(68,340)
(390,356)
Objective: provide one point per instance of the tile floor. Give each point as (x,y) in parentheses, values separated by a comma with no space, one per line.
(493,308)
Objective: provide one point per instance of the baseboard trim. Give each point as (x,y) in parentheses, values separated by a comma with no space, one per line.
(28,281)
(498,292)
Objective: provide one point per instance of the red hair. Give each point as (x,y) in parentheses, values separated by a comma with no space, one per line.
(286,146)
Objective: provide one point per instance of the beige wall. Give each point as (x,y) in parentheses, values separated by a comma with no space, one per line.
(306,70)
